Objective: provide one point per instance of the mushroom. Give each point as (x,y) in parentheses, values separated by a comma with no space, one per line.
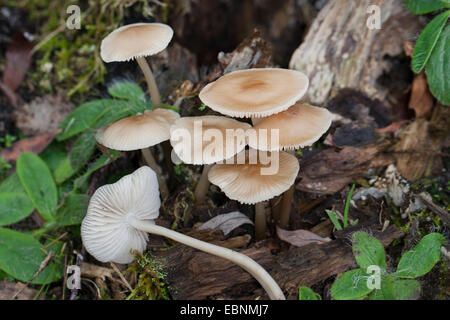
(119,216)
(251,182)
(141,131)
(136,41)
(206,140)
(299,126)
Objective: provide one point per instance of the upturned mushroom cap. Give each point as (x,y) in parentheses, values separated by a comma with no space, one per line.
(105,230)
(299,126)
(135,40)
(139,131)
(255,92)
(207,139)
(246,184)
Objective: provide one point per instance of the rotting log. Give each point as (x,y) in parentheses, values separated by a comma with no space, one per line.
(196,275)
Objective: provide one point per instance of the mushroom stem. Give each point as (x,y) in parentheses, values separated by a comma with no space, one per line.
(150,160)
(286,204)
(260,221)
(248,264)
(203,185)
(151,83)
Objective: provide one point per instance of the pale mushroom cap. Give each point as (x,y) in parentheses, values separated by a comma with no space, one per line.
(139,131)
(105,230)
(246,184)
(255,92)
(135,40)
(207,139)
(299,126)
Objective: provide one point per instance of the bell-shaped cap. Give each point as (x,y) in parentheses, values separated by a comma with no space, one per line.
(138,132)
(207,139)
(252,181)
(135,40)
(255,92)
(299,126)
(105,231)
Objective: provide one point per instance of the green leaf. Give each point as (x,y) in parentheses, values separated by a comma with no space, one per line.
(12,184)
(14,207)
(368,251)
(127,90)
(347,206)
(54,154)
(21,256)
(305,293)
(100,162)
(427,41)
(38,184)
(438,68)
(351,285)
(334,219)
(424,6)
(73,210)
(407,289)
(422,258)
(387,290)
(79,155)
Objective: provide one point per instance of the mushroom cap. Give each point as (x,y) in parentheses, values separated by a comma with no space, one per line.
(135,40)
(255,92)
(192,148)
(246,184)
(299,126)
(138,132)
(105,230)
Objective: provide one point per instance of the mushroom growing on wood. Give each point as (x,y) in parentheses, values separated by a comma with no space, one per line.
(252,182)
(299,126)
(206,140)
(141,131)
(136,41)
(119,216)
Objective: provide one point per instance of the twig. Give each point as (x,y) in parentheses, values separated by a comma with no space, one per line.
(121,276)
(79,261)
(444,215)
(54,241)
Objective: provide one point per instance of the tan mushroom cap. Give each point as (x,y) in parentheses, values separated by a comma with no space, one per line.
(299,126)
(255,92)
(207,139)
(246,184)
(138,132)
(135,40)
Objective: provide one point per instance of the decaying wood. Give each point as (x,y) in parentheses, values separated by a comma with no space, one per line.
(331,169)
(340,51)
(197,275)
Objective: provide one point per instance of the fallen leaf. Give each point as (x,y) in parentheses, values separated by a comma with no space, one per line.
(393,127)
(300,238)
(9,289)
(421,100)
(34,144)
(226,222)
(42,115)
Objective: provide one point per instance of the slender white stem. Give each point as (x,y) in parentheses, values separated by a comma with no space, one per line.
(151,83)
(150,160)
(248,264)
(203,185)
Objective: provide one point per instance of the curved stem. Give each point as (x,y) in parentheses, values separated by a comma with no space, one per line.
(260,274)
(151,83)
(203,185)
(260,221)
(286,204)
(150,160)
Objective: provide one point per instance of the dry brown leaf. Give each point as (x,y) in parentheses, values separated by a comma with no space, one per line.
(393,127)
(34,144)
(300,238)
(226,222)
(9,289)
(421,100)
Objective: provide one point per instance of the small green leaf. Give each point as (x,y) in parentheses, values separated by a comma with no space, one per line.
(407,289)
(334,219)
(127,90)
(351,285)
(368,251)
(100,162)
(422,258)
(427,41)
(438,68)
(387,290)
(14,207)
(424,6)
(38,184)
(21,256)
(305,293)
(347,205)
(12,184)
(73,210)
